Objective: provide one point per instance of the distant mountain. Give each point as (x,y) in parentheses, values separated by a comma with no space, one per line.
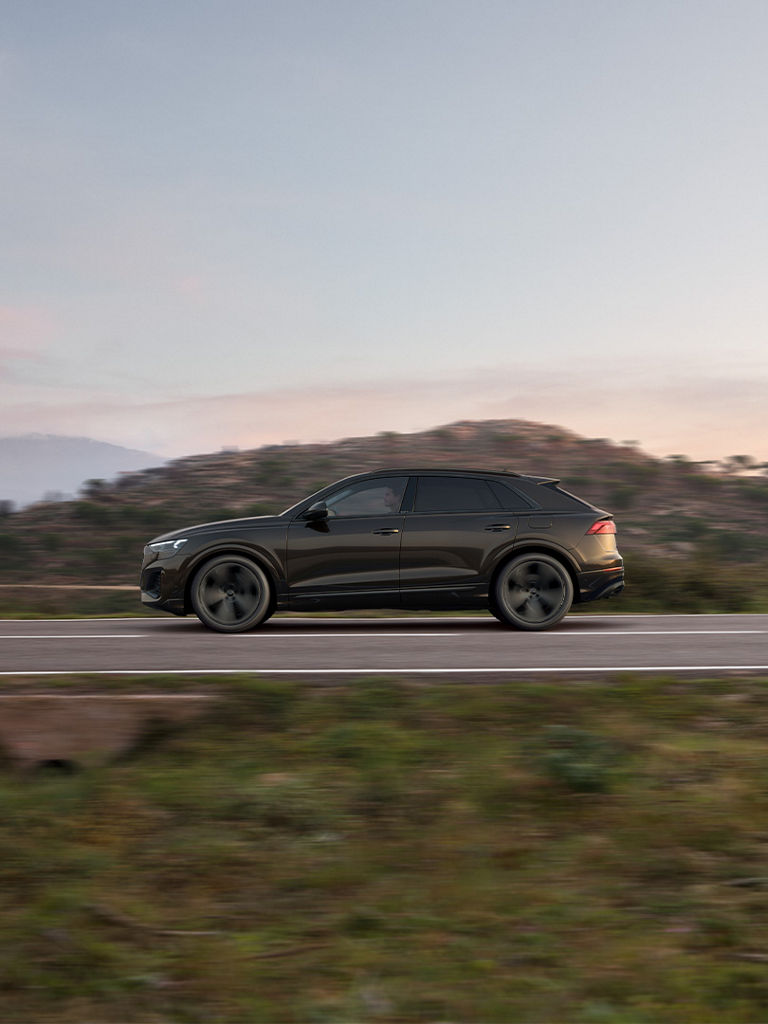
(35,466)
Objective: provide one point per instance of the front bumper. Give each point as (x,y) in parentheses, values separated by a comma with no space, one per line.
(160,585)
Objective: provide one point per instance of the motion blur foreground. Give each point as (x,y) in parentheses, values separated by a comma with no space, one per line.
(519,546)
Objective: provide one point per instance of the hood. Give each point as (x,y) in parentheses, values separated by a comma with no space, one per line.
(222,526)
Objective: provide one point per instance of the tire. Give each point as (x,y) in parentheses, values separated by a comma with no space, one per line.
(231,594)
(494,610)
(532,592)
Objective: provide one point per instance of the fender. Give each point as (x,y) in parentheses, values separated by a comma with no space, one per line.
(271,567)
(545,547)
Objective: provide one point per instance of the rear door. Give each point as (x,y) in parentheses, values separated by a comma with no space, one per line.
(453,536)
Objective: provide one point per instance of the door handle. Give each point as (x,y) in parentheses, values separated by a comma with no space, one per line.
(386,531)
(498,527)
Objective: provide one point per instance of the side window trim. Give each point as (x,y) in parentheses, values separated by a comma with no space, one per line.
(409,498)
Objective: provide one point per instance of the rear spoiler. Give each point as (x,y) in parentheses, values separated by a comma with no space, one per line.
(542,481)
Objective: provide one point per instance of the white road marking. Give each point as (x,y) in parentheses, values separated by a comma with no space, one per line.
(71,636)
(247,636)
(385,634)
(350,636)
(143,619)
(106,696)
(658,632)
(376,670)
(192,622)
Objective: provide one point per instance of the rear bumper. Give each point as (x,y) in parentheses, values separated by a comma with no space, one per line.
(604,583)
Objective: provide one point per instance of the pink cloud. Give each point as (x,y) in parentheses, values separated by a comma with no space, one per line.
(701,418)
(24,330)
(192,286)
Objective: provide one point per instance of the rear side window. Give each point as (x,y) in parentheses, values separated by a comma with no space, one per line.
(454,494)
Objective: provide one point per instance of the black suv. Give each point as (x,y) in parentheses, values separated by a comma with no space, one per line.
(430,539)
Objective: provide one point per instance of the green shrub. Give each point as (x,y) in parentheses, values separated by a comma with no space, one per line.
(368,744)
(262,703)
(623,495)
(260,508)
(576,759)
(700,584)
(93,513)
(288,803)
(12,549)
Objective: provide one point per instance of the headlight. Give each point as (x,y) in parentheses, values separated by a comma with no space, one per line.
(164,548)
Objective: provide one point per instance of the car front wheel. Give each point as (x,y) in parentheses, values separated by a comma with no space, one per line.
(231,594)
(532,591)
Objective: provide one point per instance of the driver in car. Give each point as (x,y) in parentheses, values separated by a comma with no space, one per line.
(392,499)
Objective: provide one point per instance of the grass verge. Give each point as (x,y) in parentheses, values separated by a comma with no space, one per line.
(63,602)
(387,851)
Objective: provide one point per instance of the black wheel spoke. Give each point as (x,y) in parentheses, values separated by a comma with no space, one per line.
(534,610)
(551,597)
(216,577)
(549,579)
(227,612)
(213,592)
(521,576)
(518,596)
(243,606)
(239,578)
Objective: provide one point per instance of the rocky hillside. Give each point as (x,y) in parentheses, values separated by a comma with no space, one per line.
(668,509)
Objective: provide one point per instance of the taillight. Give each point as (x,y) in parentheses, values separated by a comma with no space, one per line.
(602,526)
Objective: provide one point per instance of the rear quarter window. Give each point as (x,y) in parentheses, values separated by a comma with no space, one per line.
(551,498)
(511,498)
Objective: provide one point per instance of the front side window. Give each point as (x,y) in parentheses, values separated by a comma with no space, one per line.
(380,497)
(454,494)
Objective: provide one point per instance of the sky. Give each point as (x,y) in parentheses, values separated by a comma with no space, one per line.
(240,222)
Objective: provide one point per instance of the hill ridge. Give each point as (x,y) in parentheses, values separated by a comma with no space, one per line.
(683,526)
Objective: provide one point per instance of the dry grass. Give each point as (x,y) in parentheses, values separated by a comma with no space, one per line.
(381,851)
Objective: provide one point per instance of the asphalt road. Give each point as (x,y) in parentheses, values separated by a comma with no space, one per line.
(466,647)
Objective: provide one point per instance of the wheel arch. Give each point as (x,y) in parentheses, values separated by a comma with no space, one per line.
(230,549)
(538,548)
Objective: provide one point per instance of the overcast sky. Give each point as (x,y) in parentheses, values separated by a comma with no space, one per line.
(241,222)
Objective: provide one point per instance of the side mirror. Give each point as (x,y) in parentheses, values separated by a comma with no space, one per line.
(316,512)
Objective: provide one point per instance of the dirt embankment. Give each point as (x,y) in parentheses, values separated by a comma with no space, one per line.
(78,729)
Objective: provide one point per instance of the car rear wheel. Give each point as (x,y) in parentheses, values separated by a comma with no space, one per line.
(532,592)
(231,594)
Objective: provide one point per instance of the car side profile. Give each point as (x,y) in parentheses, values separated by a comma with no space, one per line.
(431,539)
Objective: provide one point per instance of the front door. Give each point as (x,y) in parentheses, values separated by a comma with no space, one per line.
(355,551)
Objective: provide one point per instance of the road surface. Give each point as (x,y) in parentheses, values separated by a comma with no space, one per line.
(448,647)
